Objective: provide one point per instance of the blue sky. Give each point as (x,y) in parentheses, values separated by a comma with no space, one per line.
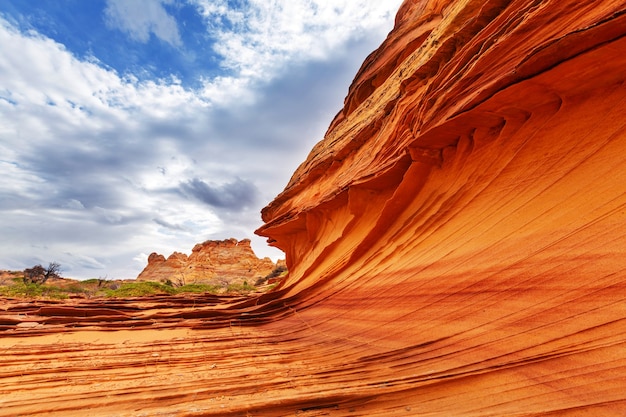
(133,126)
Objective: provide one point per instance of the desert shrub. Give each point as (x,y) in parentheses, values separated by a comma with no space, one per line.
(76,289)
(139,289)
(240,288)
(279,271)
(19,289)
(198,288)
(55,292)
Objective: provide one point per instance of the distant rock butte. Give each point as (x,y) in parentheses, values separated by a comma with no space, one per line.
(456,246)
(218,262)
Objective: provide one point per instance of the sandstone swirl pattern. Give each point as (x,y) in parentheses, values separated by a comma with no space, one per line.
(456,247)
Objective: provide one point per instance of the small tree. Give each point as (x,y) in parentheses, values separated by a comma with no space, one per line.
(39,275)
(102,281)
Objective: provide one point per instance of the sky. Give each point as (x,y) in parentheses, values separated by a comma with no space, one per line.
(136,126)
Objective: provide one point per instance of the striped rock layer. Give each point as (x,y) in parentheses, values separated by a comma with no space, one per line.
(455,245)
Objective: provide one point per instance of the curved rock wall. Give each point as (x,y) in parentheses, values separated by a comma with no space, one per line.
(463,223)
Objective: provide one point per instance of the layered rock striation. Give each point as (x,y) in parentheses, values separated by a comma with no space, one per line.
(217,262)
(461,229)
(455,245)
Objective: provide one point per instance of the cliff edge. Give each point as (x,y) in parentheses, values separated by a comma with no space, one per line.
(461,228)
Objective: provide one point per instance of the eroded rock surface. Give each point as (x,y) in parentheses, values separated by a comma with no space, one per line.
(217,262)
(455,245)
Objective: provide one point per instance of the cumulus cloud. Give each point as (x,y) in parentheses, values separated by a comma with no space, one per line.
(260,38)
(141,18)
(73,204)
(100,168)
(87,262)
(258,41)
(235,195)
(168,225)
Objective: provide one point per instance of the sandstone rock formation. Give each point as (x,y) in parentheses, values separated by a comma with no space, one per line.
(456,247)
(217,262)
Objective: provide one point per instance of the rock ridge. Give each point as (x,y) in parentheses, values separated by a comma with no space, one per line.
(215,262)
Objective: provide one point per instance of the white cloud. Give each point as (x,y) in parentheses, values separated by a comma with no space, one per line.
(17,180)
(78,152)
(140,18)
(142,259)
(47,81)
(257,42)
(74,204)
(54,94)
(87,262)
(100,168)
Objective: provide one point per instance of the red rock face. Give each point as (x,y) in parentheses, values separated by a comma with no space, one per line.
(455,244)
(460,231)
(217,262)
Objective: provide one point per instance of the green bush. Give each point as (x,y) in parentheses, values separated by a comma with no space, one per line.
(240,288)
(280,271)
(198,288)
(77,289)
(139,289)
(30,290)
(91,288)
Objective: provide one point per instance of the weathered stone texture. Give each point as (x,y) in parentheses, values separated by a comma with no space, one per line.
(456,246)
(218,262)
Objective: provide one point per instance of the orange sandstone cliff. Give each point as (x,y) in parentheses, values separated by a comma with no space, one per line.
(455,245)
(217,262)
(459,235)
